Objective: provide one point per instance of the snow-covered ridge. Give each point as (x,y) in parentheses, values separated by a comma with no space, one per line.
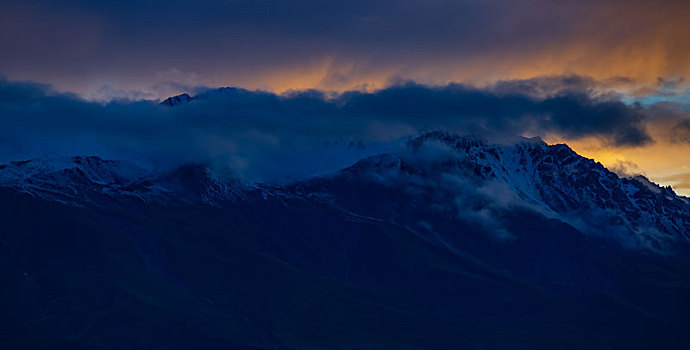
(552,179)
(79,180)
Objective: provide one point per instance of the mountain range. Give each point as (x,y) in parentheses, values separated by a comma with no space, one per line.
(452,242)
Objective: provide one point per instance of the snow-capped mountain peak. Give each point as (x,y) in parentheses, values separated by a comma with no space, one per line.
(177,100)
(550,179)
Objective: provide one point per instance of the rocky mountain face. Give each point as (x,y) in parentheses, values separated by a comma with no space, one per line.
(450,243)
(550,179)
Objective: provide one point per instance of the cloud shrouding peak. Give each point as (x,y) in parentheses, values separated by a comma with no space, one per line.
(260,133)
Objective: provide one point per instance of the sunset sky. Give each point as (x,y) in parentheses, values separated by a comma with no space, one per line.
(634,53)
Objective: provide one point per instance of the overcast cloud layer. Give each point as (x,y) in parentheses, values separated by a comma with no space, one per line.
(106,49)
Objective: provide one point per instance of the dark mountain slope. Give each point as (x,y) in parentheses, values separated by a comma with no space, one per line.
(398,251)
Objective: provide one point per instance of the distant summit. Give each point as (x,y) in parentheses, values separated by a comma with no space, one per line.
(177,100)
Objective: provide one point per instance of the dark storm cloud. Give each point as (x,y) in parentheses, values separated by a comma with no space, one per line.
(576,116)
(253,127)
(570,114)
(680,133)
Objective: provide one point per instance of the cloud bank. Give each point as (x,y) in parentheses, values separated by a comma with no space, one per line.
(265,135)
